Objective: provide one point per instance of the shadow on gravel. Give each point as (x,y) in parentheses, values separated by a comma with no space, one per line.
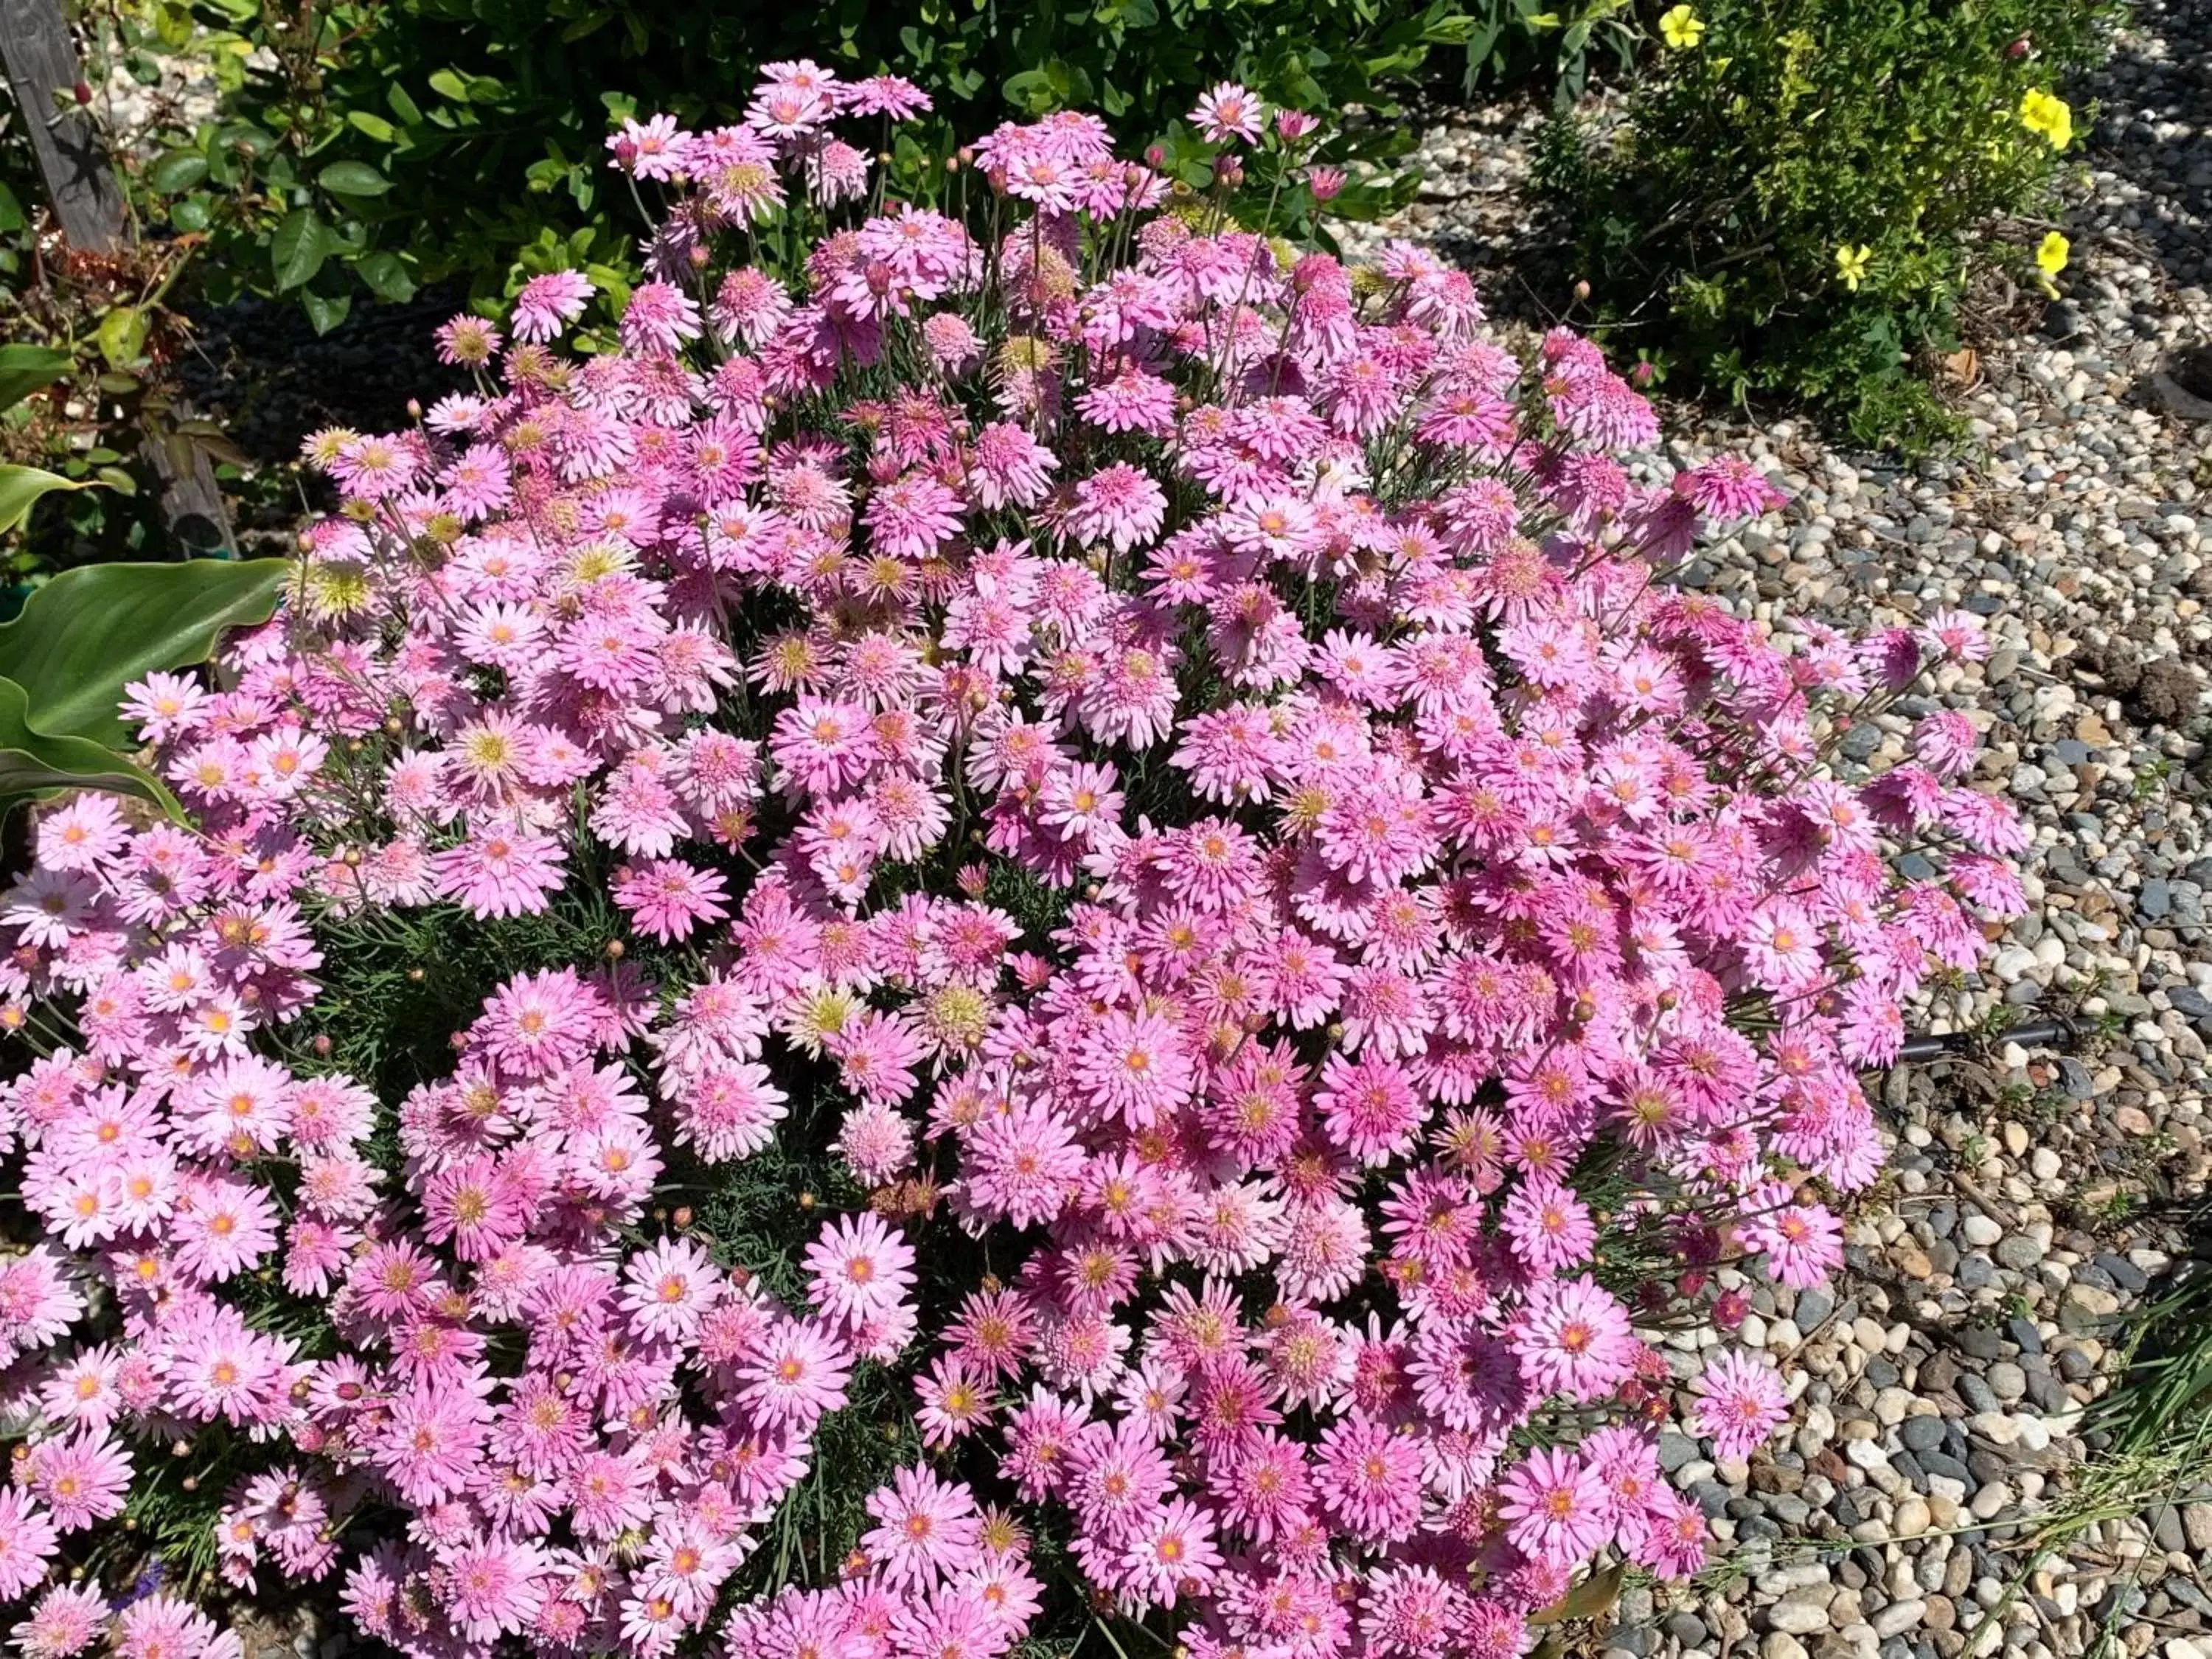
(2151,132)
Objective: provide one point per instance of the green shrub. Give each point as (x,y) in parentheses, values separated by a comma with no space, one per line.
(1552,43)
(1801,190)
(366,147)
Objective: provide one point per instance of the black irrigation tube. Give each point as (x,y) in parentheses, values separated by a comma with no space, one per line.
(2061,1035)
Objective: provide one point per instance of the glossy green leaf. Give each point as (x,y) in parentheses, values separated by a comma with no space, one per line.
(353,178)
(245,137)
(375,125)
(19,490)
(177,171)
(326,310)
(90,631)
(26,369)
(122,336)
(298,248)
(31,763)
(386,276)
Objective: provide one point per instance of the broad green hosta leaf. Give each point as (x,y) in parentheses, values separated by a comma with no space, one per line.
(21,488)
(89,632)
(28,368)
(31,763)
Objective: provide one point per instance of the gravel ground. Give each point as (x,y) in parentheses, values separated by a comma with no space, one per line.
(2036,1196)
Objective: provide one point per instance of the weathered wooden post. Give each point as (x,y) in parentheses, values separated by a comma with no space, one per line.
(87,202)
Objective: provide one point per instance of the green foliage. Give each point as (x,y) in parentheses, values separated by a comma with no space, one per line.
(2165,1393)
(33,763)
(363,148)
(1800,195)
(1553,42)
(21,488)
(84,384)
(28,368)
(88,633)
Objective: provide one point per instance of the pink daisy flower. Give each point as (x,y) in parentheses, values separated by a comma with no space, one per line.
(1118,506)
(668,900)
(1556,1507)
(29,1539)
(670,1288)
(858,1269)
(492,1587)
(82,1479)
(502,872)
(1228,112)
(796,1373)
(547,304)
(65,1620)
(926,1530)
(1573,1339)
(1741,1401)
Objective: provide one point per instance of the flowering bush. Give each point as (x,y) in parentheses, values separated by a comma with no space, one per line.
(1801,193)
(1055,923)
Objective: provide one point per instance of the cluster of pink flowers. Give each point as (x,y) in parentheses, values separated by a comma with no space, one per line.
(1438,898)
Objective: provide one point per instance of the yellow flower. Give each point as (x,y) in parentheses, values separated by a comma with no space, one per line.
(1681,26)
(2050,254)
(2047,117)
(1851,263)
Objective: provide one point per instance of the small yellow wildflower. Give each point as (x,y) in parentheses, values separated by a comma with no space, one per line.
(1851,263)
(2047,117)
(1681,27)
(2050,254)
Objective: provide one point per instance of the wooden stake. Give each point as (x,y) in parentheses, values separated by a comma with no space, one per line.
(43,74)
(87,202)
